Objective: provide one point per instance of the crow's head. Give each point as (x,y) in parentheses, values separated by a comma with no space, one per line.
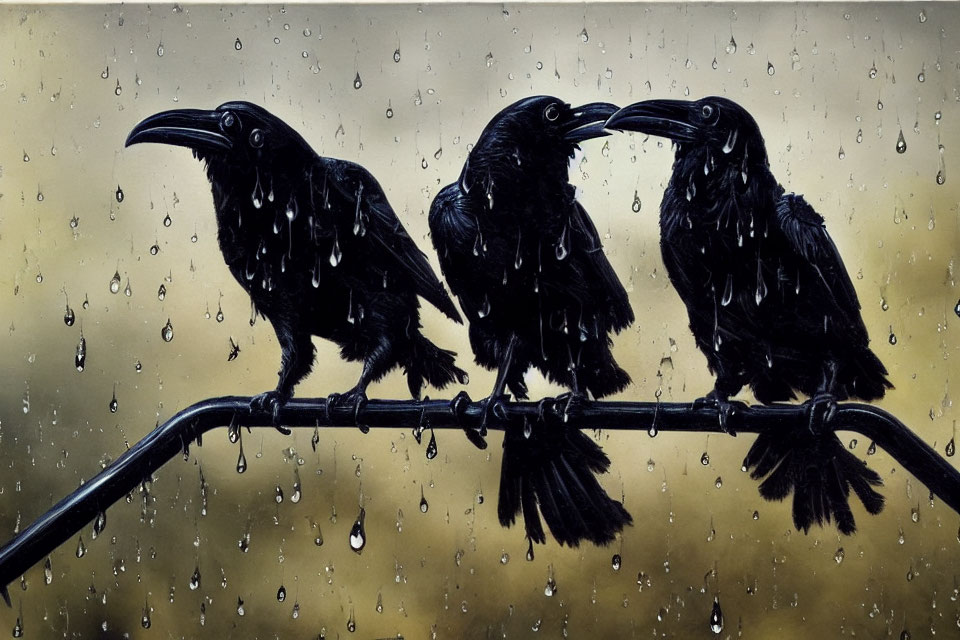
(719,124)
(235,133)
(534,137)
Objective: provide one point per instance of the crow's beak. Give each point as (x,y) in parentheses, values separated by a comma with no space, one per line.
(664,118)
(193,128)
(586,121)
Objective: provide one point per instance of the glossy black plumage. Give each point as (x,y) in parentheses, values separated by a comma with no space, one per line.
(317,246)
(526,263)
(769,300)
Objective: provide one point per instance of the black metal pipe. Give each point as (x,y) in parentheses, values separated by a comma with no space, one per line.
(168,440)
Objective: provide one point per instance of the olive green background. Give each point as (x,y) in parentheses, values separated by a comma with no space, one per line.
(75,79)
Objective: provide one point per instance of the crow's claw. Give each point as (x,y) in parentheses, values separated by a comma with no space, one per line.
(570,402)
(724,408)
(820,410)
(356,397)
(271,401)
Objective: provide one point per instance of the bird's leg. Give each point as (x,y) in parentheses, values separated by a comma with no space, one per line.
(718,399)
(575,398)
(357,395)
(493,404)
(823,405)
(296,360)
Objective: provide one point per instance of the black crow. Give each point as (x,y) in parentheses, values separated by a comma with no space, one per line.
(526,263)
(769,300)
(317,246)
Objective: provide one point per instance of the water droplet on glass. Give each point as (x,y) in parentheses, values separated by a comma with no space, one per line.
(281,594)
(358,537)
(716,616)
(99,524)
(69,317)
(18,628)
(432,446)
(81,548)
(550,588)
(115,283)
(841,154)
(872,449)
(770,69)
(160,50)
(635,207)
(923,16)
(162,292)
(357,82)
(838,556)
(119,193)
(615,562)
(237,44)
(873,71)
(389,111)
(584,36)
(47,571)
(951,448)
(714,64)
(731,46)
(195,579)
(424,506)
(530,550)
(81,357)
(705,459)
(167,220)
(167,332)
(901,143)
(396,55)
(113,402)
(893,338)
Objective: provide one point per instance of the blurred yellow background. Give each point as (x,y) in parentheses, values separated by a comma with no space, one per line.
(832,86)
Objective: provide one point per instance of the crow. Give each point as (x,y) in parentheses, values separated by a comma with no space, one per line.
(317,246)
(527,265)
(769,300)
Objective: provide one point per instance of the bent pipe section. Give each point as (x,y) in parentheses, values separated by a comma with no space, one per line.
(78,509)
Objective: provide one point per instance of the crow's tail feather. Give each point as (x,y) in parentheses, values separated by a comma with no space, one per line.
(554,469)
(819,471)
(433,364)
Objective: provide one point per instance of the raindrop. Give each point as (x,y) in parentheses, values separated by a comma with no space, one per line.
(705,459)
(145,618)
(731,46)
(770,69)
(351,623)
(872,449)
(859,136)
(424,506)
(761,292)
(81,357)
(951,448)
(727,291)
(615,562)
(550,588)
(240,610)
(923,16)
(167,220)
(281,594)
(335,254)
(563,245)
(530,550)
(358,537)
(584,36)
(26,157)
(69,317)
(160,50)
(154,249)
(636,202)
(119,194)
(237,44)
(278,494)
(99,524)
(219,313)
(81,548)
(115,283)
(47,571)
(714,64)
(893,338)
(432,446)
(873,71)
(162,292)
(841,154)
(195,579)
(167,332)
(241,461)
(389,111)
(113,401)
(901,143)
(396,55)
(357,82)
(716,616)
(838,556)
(484,310)
(18,628)
(118,90)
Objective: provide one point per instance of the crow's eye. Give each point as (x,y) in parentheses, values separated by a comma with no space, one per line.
(256,138)
(552,112)
(707,111)
(228,122)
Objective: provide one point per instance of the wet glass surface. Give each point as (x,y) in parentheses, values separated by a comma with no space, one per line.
(117,310)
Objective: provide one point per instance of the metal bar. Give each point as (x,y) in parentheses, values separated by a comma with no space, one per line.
(171,438)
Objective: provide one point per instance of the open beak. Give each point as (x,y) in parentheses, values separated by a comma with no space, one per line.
(664,118)
(586,121)
(193,128)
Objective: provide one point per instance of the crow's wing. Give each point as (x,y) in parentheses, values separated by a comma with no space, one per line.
(807,236)
(375,220)
(599,272)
